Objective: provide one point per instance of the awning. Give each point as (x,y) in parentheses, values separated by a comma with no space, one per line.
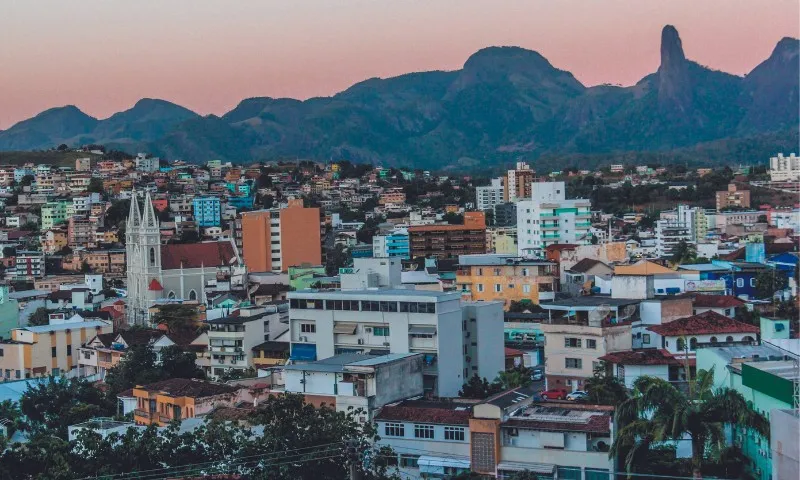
(422,330)
(437,464)
(521,467)
(346,328)
(304,351)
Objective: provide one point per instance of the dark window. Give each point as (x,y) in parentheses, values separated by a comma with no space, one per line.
(69,350)
(53,352)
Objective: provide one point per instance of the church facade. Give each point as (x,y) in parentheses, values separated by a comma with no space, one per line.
(159,273)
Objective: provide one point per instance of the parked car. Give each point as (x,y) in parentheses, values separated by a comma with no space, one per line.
(555,394)
(537,375)
(577,395)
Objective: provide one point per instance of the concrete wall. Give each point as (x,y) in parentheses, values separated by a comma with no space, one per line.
(398,381)
(487,332)
(785,448)
(632,286)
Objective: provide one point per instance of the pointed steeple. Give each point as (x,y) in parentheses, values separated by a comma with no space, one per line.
(150,219)
(134,217)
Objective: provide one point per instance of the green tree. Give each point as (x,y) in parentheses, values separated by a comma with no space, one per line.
(237,374)
(658,411)
(96,185)
(684,252)
(57,402)
(337,258)
(478,388)
(605,389)
(769,282)
(179,364)
(40,316)
(11,416)
(516,377)
(136,367)
(85,267)
(176,317)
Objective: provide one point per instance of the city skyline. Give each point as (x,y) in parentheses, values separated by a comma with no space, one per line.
(104,56)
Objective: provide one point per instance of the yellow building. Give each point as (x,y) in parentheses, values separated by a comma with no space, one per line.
(505,278)
(179,398)
(37,351)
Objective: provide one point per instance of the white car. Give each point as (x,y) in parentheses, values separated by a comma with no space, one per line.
(577,395)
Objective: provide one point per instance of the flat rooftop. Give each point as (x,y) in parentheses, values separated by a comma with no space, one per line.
(587,302)
(499,260)
(358,294)
(339,363)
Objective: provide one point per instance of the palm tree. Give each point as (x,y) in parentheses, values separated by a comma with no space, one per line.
(659,412)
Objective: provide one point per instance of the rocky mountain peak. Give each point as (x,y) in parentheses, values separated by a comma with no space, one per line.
(674,88)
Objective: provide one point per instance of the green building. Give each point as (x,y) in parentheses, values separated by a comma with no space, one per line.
(53,213)
(774,328)
(764,376)
(9,313)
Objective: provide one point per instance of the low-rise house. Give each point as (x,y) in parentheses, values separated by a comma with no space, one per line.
(104,351)
(722,304)
(180,398)
(357,381)
(682,337)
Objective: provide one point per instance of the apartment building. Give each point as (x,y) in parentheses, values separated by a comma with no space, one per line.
(518,184)
(733,197)
(487,197)
(449,241)
(53,241)
(327,323)
(53,213)
(231,340)
(549,218)
(274,240)
(52,349)
(392,196)
(29,265)
(207,211)
(506,278)
(394,244)
(501,240)
(580,330)
(104,351)
(784,169)
(162,402)
(505,214)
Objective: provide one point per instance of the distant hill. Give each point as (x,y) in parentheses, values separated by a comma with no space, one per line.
(49,157)
(505,104)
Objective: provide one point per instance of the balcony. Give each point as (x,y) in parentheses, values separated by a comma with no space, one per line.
(549,226)
(583,224)
(223,350)
(548,236)
(164,419)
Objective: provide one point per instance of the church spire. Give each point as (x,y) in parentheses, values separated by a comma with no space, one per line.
(134,218)
(150,219)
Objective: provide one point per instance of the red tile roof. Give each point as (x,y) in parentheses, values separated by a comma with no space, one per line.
(195,255)
(705,323)
(446,415)
(189,387)
(561,246)
(716,301)
(641,357)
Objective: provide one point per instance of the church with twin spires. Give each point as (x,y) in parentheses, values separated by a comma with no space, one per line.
(165,273)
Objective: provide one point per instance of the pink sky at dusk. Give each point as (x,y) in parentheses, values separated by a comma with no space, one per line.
(103,55)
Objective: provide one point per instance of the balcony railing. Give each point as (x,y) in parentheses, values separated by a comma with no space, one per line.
(141,413)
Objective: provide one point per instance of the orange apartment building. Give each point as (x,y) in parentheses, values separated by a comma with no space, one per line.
(180,398)
(733,197)
(518,183)
(274,240)
(449,241)
(506,278)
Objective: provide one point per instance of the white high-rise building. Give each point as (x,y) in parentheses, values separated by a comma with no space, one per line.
(548,218)
(784,169)
(456,340)
(489,196)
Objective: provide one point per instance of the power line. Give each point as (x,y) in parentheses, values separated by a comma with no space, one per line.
(259,457)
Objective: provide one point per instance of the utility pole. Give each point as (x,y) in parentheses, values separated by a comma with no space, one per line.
(353,459)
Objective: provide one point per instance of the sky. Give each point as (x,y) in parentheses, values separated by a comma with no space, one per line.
(207,55)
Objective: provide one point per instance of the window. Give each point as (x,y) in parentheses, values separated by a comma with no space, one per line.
(572,342)
(394,430)
(1,352)
(591,343)
(192,295)
(380,331)
(681,343)
(423,431)
(152,256)
(573,363)
(693,344)
(498,288)
(525,272)
(526,289)
(646,339)
(595,366)
(753,282)
(713,339)
(740,282)
(409,461)
(480,287)
(53,352)
(69,350)
(454,433)
(729,339)
(308,328)
(497,272)
(480,272)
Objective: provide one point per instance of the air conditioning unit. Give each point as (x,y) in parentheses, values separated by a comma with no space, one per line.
(385,344)
(361,341)
(303,339)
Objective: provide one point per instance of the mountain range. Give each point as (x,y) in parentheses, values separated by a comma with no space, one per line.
(505,104)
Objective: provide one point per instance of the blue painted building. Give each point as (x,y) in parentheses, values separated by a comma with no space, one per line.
(207,211)
(395,244)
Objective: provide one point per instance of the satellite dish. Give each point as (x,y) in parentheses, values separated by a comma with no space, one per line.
(627,312)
